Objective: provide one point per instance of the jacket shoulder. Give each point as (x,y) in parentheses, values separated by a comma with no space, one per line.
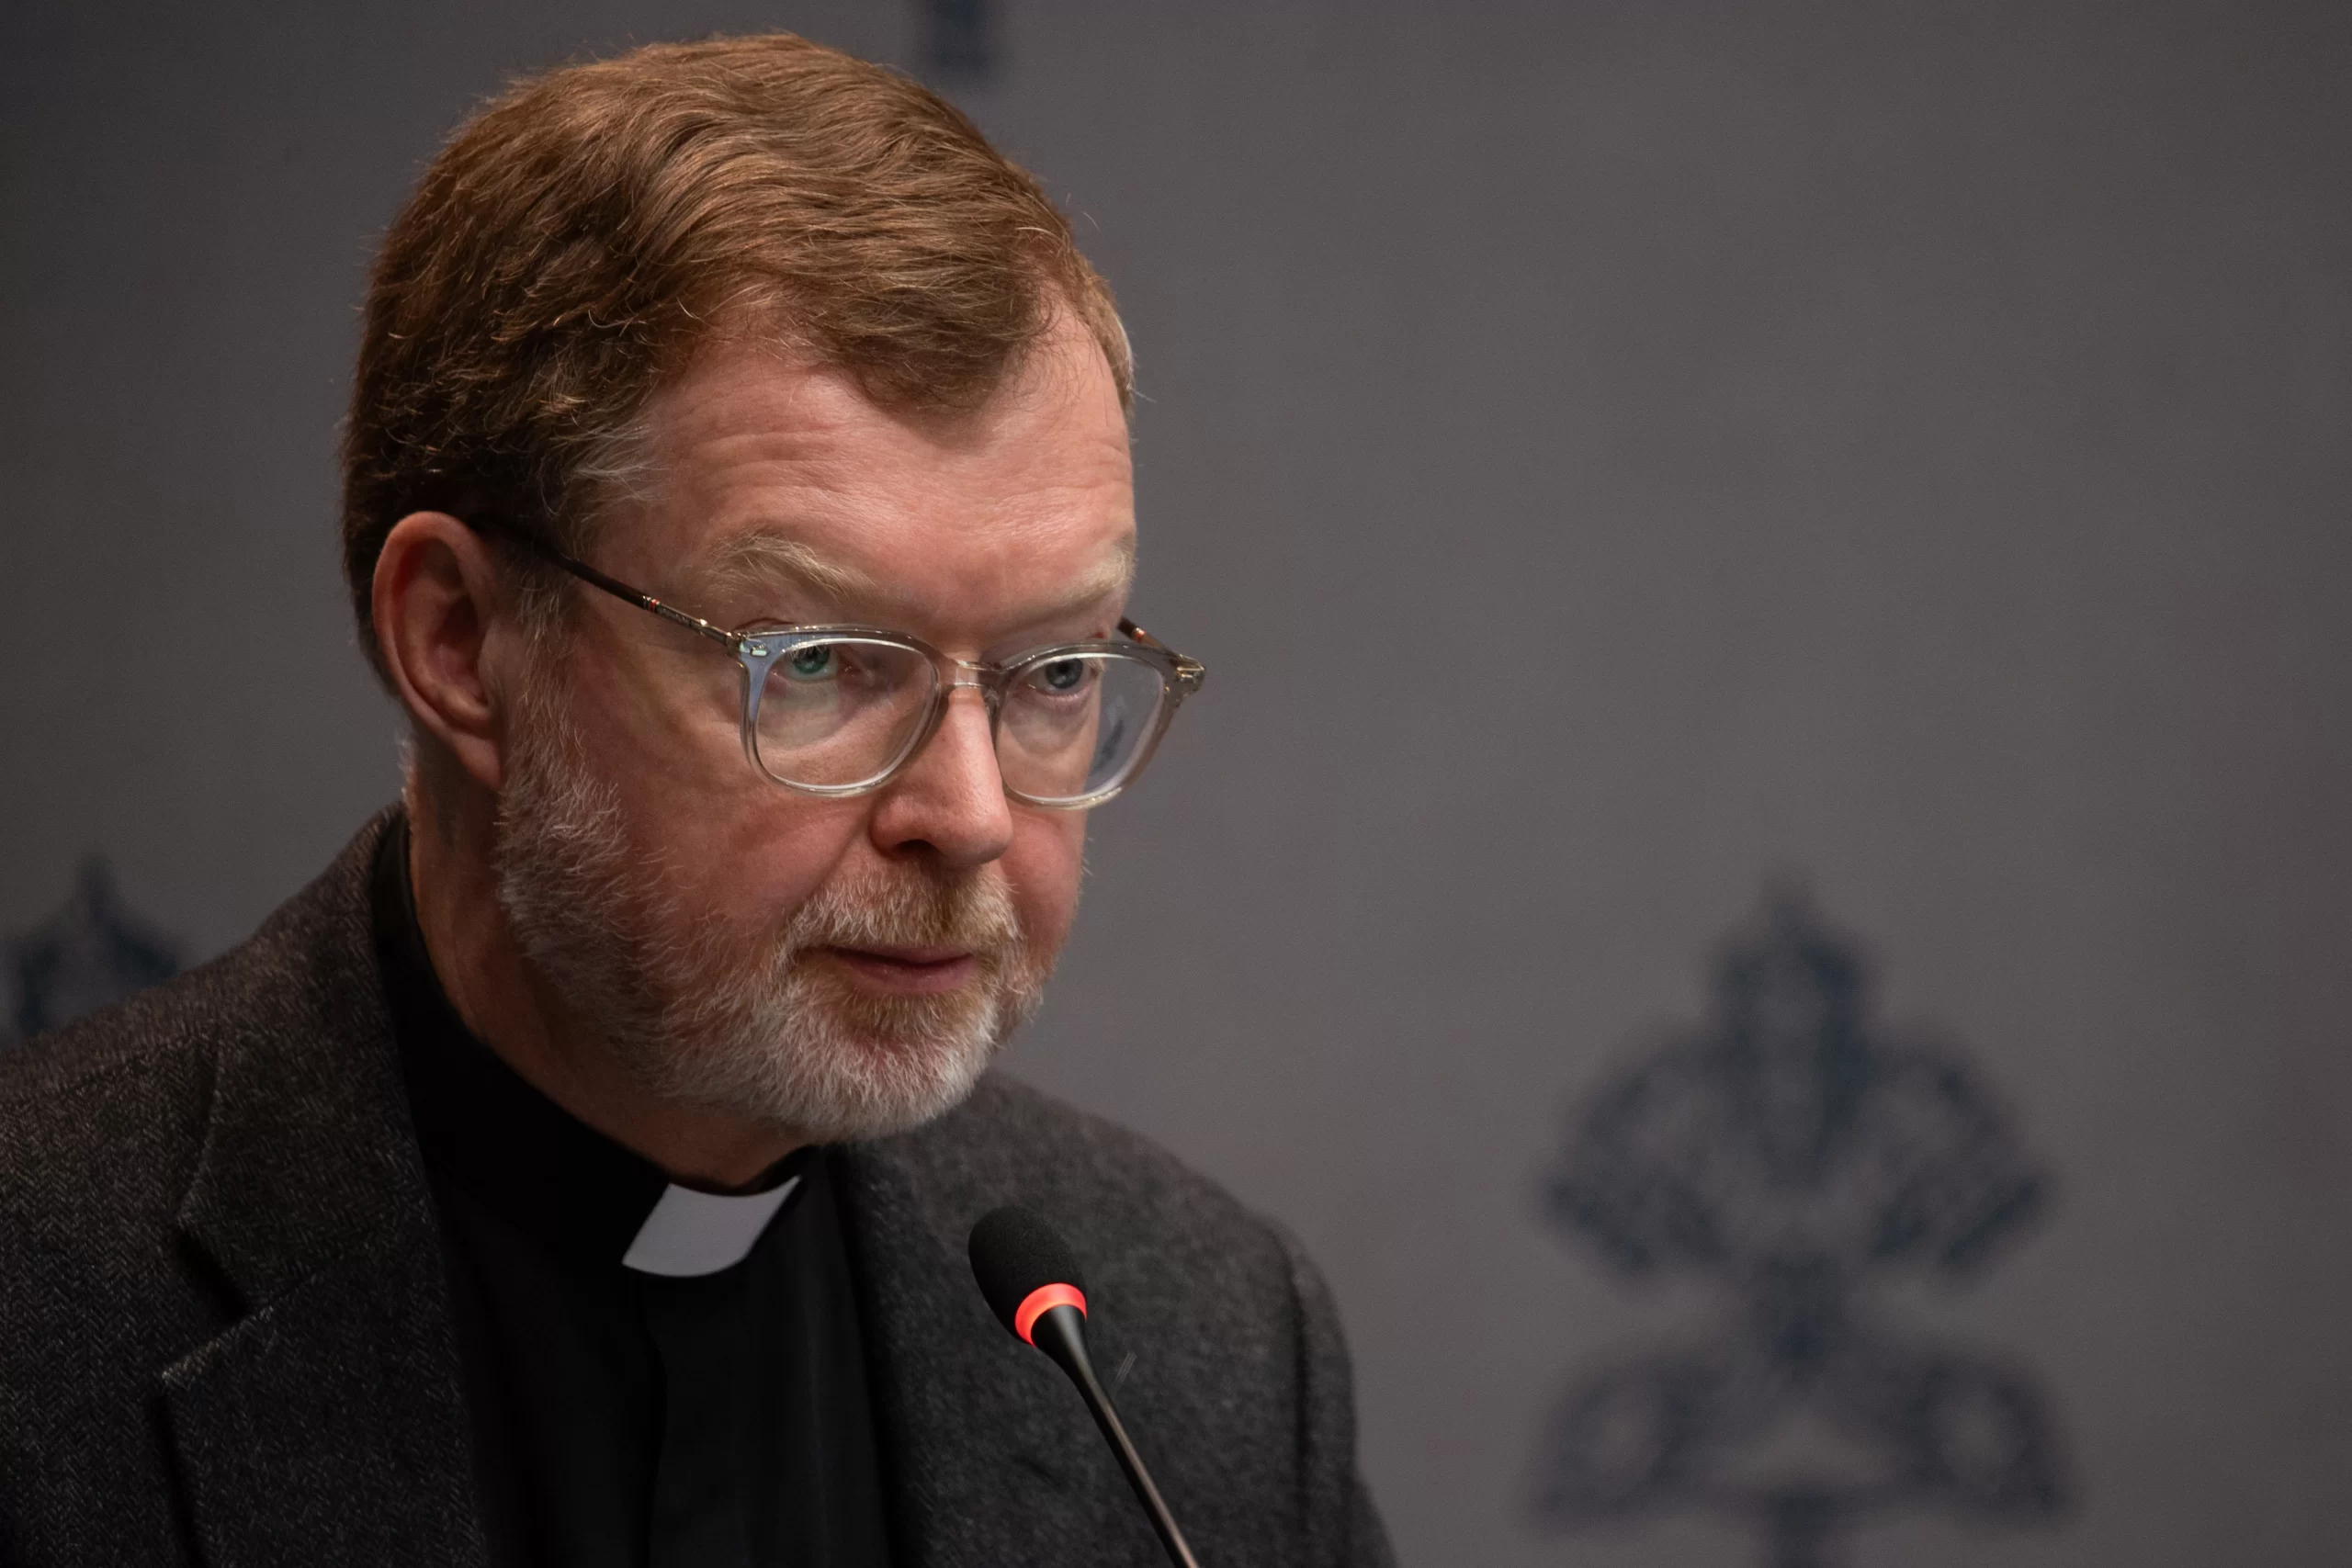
(85,1100)
(103,1123)
(105,1116)
(168,1032)
(1115,1191)
(102,1132)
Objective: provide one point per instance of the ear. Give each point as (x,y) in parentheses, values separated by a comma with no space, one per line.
(437,600)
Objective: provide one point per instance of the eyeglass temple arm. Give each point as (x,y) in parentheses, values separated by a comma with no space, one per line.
(612,585)
(1190,673)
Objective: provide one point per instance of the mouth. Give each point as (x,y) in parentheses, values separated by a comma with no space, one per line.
(909,971)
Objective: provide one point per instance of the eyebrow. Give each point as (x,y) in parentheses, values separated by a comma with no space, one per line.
(751,560)
(759,557)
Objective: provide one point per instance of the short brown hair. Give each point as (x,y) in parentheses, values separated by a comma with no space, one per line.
(575,241)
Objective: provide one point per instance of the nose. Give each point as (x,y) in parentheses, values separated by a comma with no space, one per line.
(949,801)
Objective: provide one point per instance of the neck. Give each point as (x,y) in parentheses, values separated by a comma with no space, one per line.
(502,999)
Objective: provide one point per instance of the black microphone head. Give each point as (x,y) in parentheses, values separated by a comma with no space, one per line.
(1024,1266)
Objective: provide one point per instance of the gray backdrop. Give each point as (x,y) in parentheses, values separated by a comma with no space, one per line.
(1614,458)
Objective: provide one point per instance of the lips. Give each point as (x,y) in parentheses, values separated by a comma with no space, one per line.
(909,970)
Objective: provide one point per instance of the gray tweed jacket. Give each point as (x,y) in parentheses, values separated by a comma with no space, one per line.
(225,1335)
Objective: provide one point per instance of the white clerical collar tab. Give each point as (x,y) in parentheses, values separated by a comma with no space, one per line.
(691,1233)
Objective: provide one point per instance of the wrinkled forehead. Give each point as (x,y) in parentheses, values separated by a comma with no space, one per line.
(771,476)
(803,568)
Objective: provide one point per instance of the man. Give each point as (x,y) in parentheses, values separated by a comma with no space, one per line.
(738,503)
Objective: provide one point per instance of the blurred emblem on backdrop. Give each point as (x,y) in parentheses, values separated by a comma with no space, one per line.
(94,952)
(958,42)
(1790,1154)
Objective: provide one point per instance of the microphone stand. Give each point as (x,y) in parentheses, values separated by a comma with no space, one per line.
(1060,1332)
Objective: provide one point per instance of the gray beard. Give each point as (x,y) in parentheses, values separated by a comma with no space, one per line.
(701,1008)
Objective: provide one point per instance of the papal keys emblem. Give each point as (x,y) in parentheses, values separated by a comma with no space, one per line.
(1794,1156)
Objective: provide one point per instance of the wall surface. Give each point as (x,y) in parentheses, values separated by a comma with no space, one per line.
(1629,469)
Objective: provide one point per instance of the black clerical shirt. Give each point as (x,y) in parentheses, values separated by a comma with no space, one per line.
(622,1418)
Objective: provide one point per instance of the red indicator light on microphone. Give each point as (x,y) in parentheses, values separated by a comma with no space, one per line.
(1042,1300)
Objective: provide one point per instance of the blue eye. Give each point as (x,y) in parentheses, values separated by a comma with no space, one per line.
(1063,675)
(814,661)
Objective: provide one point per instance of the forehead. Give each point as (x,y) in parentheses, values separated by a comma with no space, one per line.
(772,476)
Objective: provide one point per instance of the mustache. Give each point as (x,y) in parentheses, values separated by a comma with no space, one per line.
(911,908)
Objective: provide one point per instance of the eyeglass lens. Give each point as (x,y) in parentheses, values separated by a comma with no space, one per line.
(839,712)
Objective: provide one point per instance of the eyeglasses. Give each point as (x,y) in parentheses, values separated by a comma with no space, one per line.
(837,710)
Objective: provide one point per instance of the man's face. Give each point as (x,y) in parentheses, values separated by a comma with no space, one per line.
(842,968)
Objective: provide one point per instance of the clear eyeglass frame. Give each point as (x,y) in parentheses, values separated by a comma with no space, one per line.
(758,649)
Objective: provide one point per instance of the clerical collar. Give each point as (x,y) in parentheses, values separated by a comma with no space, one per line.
(543,1170)
(701,1233)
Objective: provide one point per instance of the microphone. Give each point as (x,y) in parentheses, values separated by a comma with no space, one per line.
(1030,1276)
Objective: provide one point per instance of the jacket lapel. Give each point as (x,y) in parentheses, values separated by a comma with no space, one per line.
(327,1422)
